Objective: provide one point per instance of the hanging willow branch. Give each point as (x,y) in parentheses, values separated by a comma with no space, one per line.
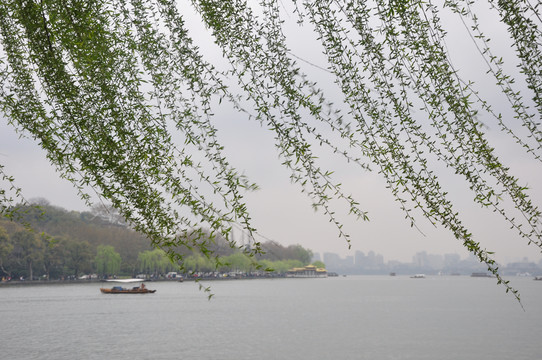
(106,85)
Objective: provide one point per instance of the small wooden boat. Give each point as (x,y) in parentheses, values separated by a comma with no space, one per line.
(121,290)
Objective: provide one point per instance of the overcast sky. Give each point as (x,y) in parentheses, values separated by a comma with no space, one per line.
(281,213)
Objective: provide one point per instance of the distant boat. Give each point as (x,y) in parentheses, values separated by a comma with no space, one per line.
(537,278)
(120,290)
(418,276)
(126,281)
(481,274)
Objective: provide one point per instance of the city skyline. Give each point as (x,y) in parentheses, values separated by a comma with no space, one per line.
(422,262)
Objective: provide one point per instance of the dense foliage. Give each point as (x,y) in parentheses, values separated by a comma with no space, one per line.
(105,85)
(66,245)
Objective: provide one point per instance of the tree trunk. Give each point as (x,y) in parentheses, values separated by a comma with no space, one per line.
(8,273)
(31,277)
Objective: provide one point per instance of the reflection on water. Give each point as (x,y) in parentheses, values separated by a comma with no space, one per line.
(363,317)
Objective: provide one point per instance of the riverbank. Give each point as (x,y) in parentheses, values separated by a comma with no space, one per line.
(98,281)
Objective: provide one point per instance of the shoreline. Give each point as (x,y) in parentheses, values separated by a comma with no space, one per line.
(100,281)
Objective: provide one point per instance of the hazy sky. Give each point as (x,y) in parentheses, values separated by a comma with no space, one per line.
(281,213)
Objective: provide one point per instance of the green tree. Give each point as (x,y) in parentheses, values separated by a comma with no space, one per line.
(300,253)
(154,262)
(199,263)
(78,256)
(282,266)
(238,262)
(101,88)
(267,265)
(107,260)
(6,247)
(319,264)
(53,257)
(28,250)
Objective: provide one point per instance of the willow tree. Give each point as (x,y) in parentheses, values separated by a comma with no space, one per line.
(107,260)
(105,86)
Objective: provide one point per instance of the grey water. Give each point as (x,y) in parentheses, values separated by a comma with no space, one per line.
(355,317)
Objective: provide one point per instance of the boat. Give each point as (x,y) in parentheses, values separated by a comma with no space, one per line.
(418,276)
(120,290)
(482,274)
(537,278)
(126,281)
(142,289)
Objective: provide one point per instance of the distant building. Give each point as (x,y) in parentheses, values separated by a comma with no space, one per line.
(331,259)
(360,259)
(308,271)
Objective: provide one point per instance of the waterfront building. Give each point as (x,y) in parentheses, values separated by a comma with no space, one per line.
(307,271)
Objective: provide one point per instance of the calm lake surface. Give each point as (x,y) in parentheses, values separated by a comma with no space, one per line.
(355,317)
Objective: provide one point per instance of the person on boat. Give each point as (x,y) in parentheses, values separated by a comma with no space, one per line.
(142,287)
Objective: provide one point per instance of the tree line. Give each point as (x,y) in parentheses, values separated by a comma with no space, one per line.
(49,242)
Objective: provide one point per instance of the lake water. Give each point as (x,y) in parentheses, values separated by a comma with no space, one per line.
(355,317)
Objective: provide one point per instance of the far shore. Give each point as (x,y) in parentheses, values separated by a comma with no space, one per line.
(101,281)
(66,282)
